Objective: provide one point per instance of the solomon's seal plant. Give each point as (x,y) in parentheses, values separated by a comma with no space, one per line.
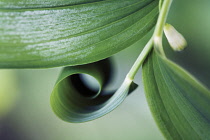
(80,34)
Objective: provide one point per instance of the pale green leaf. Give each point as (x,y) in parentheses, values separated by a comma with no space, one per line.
(45,33)
(73,101)
(179,103)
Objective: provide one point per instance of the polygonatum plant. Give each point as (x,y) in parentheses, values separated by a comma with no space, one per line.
(80,34)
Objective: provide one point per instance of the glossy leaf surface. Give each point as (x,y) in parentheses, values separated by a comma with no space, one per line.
(45,33)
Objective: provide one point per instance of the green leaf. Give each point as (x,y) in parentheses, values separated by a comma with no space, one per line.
(51,33)
(179,103)
(73,101)
(9,92)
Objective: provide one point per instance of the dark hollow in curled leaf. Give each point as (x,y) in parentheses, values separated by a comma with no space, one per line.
(65,33)
(179,103)
(73,101)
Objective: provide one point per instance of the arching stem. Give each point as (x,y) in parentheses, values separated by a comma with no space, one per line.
(156,40)
(158,33)
(143,55)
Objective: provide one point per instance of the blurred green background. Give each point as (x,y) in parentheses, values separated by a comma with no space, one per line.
(25,112)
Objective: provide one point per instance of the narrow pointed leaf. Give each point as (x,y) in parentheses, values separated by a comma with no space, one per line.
(73,101)
(45,33)
(179,103)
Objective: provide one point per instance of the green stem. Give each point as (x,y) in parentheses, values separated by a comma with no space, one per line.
(158,33)
(156,40)
(143,55)
(160,4)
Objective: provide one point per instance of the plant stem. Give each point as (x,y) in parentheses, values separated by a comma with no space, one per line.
(155,40)
(131,74)
(160,4)
(158,33)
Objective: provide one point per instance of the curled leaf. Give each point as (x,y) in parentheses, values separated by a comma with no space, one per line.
(73,101)
(9,92)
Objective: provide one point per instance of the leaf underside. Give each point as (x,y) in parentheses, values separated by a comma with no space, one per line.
(51,33)
(179,103)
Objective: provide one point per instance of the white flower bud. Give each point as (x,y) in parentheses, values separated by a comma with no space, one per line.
(175,39)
